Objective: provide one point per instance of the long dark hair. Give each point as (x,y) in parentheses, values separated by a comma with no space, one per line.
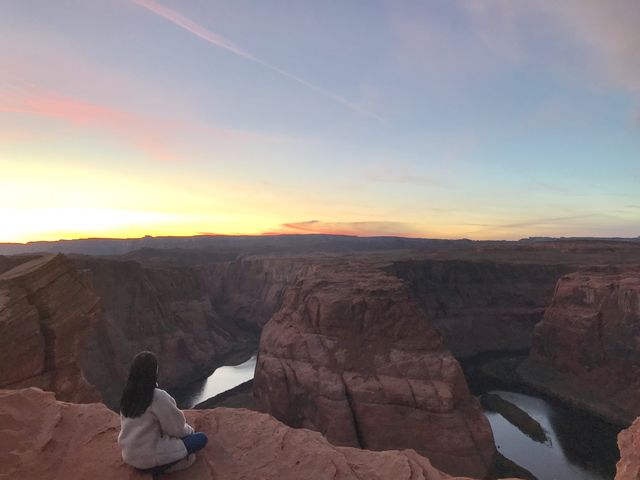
(138,393)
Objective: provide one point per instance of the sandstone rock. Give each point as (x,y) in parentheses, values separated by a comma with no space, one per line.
(587,347)
(46,439)
(351,355)
(628,468)
(482,306)
(249,290)
(47,308)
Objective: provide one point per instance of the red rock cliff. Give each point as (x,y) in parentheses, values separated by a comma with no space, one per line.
(351,355)
(47,308)
(586,348)
(46,439)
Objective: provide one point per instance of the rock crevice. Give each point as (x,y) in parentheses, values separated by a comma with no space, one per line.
(47,309)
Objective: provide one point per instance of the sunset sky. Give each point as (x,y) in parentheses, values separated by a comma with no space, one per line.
(434,118)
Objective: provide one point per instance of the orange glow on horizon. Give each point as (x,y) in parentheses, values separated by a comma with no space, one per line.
(66,199)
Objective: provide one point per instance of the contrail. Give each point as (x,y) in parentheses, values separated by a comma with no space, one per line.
(222,42)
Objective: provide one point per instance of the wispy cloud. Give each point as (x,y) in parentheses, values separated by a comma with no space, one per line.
(157,138)
(401,175)
(606,30)
(219,41)
(610,31)
(32,101)
(535,226)
(364,229)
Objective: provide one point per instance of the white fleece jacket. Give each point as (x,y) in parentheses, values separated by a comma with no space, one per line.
(153,438)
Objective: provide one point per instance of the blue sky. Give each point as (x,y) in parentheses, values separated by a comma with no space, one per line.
(479,119)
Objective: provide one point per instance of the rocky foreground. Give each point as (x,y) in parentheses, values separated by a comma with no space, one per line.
(42,438)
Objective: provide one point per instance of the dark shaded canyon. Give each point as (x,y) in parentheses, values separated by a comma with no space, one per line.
(353,345)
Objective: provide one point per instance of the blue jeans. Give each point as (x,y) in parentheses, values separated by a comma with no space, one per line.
(193,443)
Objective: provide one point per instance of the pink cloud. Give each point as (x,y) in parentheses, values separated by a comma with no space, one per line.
(154,137)
(142,133)
(49,104)
(219,41)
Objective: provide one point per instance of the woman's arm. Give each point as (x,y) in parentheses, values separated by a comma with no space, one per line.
(170,416)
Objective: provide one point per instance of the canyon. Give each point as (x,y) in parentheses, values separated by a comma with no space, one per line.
(358,343)
(195,318)
(482,306)
(586,347)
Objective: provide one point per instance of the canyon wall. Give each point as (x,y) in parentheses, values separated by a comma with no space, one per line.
(350,354)
(47,309)
(586,350)
(481,306)
(195,318)
(9,262)
(47,439)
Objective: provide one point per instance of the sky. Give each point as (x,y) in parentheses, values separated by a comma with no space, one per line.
(482,119)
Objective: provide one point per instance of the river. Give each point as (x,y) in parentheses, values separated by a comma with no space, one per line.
(580,446)
(222,379)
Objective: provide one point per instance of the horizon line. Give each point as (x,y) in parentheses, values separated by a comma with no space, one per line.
(318,234)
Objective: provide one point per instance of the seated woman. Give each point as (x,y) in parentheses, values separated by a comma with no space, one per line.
(154,435)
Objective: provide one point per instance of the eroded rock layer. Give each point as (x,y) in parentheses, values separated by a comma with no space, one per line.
(351,355)
(46,439)
(586,348)
(47,309)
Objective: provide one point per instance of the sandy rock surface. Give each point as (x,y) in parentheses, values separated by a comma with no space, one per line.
(42,438)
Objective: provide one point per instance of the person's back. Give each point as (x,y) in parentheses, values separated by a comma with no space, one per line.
(154,435)
(154,438)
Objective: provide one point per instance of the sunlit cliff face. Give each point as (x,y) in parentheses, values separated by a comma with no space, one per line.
(436,119)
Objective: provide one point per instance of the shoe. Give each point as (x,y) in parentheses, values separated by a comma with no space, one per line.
(182,464)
